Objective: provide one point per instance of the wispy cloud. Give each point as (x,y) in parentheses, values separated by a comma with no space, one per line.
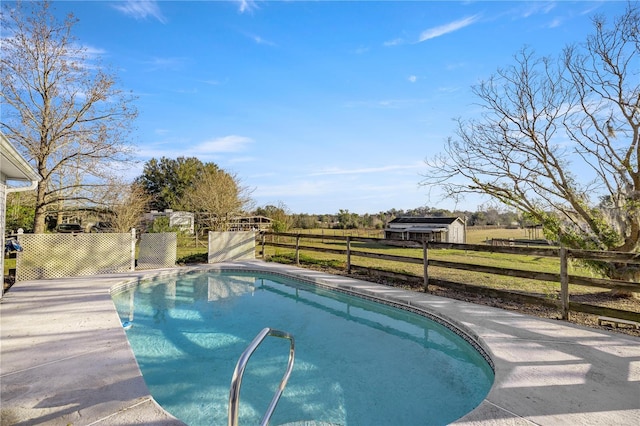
(394,42)
(412,78)
(237,160)
(366,170)
(385,103)
(447,28)
(361,50)
(341,194)
(155,64)
(172,147)
(259,40)
(246,5)
(231,143)
(534,8)
(94,52)
(140,9)
(556,22)
(301,187)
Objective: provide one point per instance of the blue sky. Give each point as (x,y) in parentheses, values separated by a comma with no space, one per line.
(318,105)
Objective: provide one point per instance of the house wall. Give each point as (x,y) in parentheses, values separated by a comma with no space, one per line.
(182,220)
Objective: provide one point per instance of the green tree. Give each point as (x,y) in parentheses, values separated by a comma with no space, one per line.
(167,180)
(347,220)
(161,224)
(60,107)
(281,219)
(304,221)
(558,135)
(20,211)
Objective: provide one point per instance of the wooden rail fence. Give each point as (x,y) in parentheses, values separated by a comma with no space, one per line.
(564,304)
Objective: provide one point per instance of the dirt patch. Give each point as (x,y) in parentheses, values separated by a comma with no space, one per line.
(605,299)
(581,318)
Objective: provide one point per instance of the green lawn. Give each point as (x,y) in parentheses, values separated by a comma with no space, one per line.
(9,264)
(499,260)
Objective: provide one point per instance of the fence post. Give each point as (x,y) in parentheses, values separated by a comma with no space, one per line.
(263,243)
(133,249)
(298,249)
(564,283)
(348,254)
(425,262)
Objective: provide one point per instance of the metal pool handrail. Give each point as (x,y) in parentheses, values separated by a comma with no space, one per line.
(236,380)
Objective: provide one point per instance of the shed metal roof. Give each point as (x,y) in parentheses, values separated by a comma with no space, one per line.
(435,228)
(426,220)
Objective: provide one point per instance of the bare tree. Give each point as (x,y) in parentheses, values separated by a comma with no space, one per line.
(61,109)
(559,140)
(127,204)
(219,197)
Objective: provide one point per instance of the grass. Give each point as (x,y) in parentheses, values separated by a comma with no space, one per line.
(190,250)
(479,236)
(500,260)
(9,264)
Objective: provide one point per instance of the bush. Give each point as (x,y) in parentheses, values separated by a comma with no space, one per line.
(194,258)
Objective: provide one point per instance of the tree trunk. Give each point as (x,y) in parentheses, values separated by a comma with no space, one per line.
(39,225)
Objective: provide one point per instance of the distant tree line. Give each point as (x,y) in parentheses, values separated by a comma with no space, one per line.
(188,184)
(347,220)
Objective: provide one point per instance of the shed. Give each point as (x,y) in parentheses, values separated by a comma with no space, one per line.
(438,229)
(16,174)
(181,220)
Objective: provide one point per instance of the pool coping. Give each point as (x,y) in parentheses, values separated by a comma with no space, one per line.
(65,358)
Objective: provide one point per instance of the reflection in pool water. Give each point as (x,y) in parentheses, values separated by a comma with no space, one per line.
(357,362)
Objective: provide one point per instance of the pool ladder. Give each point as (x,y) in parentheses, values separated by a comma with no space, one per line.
(236,380)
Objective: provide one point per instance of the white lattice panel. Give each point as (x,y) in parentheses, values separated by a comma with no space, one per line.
(157,250)
(69,255)
(229,246)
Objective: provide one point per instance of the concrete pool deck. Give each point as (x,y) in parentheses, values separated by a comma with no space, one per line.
(65,358)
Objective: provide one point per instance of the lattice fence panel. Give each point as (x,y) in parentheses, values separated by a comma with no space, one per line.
(157,250)
(229,246)
(68,255)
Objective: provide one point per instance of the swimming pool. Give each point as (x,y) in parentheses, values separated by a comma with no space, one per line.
(357,362)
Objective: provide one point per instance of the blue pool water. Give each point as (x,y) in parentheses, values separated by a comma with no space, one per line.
(357,362)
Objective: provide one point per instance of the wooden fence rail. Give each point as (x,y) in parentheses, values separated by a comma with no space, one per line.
(562,277)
